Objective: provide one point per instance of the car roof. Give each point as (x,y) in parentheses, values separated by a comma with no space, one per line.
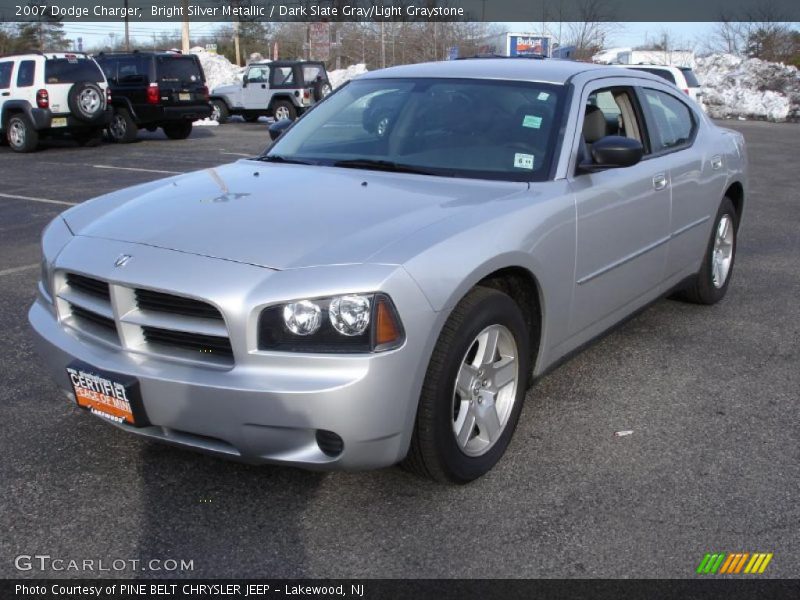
(550,70)
(45,55)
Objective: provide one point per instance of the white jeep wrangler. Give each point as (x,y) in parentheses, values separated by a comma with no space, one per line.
(44,94)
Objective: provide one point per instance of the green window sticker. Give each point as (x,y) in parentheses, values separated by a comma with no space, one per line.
(532,121)
(523,161)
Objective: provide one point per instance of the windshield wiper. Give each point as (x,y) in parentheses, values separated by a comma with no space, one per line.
(383,165)
(282,159)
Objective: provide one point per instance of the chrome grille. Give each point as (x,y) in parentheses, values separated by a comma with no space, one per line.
(144,321)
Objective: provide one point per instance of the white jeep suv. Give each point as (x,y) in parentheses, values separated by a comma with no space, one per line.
(50,94)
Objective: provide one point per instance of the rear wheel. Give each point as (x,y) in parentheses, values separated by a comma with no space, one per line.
(284,109)
(179,130)
(219,111)
(122,128)
(473,390)
(20,134)
(711,283)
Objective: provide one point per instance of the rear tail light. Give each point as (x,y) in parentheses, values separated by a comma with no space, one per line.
(306,95)
(42,99)
(204,92)
(108,95)
(686,91)
(153,94)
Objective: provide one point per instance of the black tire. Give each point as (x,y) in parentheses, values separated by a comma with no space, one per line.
(222,112)
(90,138)
(87,101)
(21,134)
(702,289)
(179,130)
(434,452)
(284,105)
(321,89)
(123,128)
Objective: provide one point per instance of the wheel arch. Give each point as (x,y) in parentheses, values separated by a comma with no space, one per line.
(735,191)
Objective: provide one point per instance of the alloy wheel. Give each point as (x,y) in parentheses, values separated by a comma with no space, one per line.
(722,256)
(485,390)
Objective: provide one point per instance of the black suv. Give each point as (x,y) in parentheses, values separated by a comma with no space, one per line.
(154,89)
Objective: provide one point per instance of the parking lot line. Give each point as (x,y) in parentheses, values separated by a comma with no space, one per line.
(18,269)
(138,169)
(30,198)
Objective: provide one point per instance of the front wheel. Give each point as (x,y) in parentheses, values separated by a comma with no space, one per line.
(473,391)
(178,131)
(21,135)
(711,283)
(219,111)
(122,128)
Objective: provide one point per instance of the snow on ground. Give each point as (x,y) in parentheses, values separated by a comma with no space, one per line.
(340,76)
(218,69)
(749,88)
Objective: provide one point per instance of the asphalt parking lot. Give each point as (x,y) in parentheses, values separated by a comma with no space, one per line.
(710,393)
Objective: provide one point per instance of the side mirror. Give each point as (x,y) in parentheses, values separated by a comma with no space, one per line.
(278,127)
(613,152)
(244,80)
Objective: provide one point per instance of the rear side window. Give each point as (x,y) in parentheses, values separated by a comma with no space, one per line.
(671,123)
(132,69)
(691,80)
(311,72)
(663,73)
(71,70)
(26,73)
(282,76)
(5,74)
(179,68)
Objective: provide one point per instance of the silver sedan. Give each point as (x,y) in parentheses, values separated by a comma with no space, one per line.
(384,283)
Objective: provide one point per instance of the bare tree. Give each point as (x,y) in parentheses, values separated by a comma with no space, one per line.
(589,35)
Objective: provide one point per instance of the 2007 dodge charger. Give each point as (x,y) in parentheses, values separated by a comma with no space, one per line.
(385,281)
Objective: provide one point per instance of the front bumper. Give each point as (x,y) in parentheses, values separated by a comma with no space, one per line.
(268,407)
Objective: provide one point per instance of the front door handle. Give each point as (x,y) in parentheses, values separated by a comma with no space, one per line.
(263,86)
(6,94)
(659,181)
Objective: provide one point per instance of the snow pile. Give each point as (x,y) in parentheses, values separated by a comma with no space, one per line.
(340,76)
(749,88)
(218,69)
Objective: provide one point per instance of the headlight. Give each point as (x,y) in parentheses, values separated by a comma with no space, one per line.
(348,323)
(55,236)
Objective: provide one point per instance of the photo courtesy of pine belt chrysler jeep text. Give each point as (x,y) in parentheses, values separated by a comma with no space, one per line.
(384,282)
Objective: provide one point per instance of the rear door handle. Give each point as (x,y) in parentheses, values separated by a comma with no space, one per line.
(659,181)
(716,162)
(263,86)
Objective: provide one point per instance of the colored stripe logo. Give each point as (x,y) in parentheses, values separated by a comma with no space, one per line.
(734,563)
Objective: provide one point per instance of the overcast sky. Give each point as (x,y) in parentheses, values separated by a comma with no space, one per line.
(625,34)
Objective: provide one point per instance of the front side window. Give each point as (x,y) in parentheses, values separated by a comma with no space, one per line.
(257,74)
(5,74)
(612,111)
(26,73)
(487,129)
(671,122)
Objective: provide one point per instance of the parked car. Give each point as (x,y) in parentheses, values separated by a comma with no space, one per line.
(152,90)
(682,77)
(49,94)
(399,306)
(280,89)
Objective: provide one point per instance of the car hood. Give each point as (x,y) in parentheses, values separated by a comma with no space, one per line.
(226,89)
(281,216)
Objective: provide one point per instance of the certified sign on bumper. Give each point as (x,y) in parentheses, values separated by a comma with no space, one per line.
(109,395)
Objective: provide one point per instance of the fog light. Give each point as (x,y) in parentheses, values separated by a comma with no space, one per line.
(350,314)
(302,318)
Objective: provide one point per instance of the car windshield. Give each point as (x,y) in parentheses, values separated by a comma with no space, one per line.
(71,70)
(483,129)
